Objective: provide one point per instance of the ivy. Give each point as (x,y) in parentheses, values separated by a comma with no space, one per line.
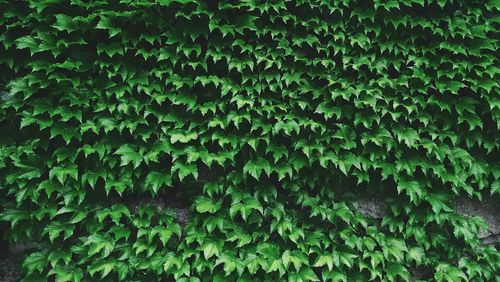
(235,140)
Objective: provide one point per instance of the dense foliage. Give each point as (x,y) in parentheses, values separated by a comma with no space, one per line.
(268,119)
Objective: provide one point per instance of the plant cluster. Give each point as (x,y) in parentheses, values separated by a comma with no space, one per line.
(270,119)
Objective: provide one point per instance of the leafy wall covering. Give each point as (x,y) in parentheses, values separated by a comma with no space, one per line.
(267,119)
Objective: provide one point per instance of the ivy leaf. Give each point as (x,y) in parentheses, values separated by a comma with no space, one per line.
(407,135)
(298,258)
(231,263)
(119,233)
(58,255)
(334,276)
(164,233)
(447,272)
(156,179)
(495,187)
(27,42)
(277,265)
(171,260)
(437,203)
(417,254)
(242,238)
(213,221)
(78,216)
(395,248)
(305,274)
(185,170)
(99,243)
(286,258)
(65,23)
(183,138)
(324,259)
(253,263)
(105,266)
(62,172)
(14,216)
(254,168)
(129,155)
(253,204)
(35,262)
(210,249)
(394,270)
(67,132)
(204,205)
(245,208)
(65,274)
(54,229)
(413,189)
(106,23)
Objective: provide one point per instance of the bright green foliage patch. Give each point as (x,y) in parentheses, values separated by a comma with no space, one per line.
(269,119)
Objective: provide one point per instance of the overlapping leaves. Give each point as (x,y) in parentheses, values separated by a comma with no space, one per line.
(271,118)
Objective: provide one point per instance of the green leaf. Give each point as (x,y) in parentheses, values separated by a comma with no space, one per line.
(27,42)
(204,205)
(78,216)
(334,276)
(183,138)
(35,262)
(66,132)
(210,249)
(448,273)
(495,187)
(242,238)
(407,135)
(164,233)
(106,23)
(170,261)
(277,265)
(65,23)
(103,244)
(417,254)
(305,274)
(254,168)
(55,228)
(129,155)
(155,180)
(212,222)
(437,203)
(231,263)
(395,248)
(394,270)
(105,266)
(61,173)
(324,259)
(413,189)
(253,263)
(65,274)
(185,169)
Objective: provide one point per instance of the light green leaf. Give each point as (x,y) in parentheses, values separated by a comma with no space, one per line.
(417,254)
(183,137)
(210,249)
(204,204)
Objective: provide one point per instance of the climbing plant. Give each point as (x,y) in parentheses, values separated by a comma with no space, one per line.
(267,120)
